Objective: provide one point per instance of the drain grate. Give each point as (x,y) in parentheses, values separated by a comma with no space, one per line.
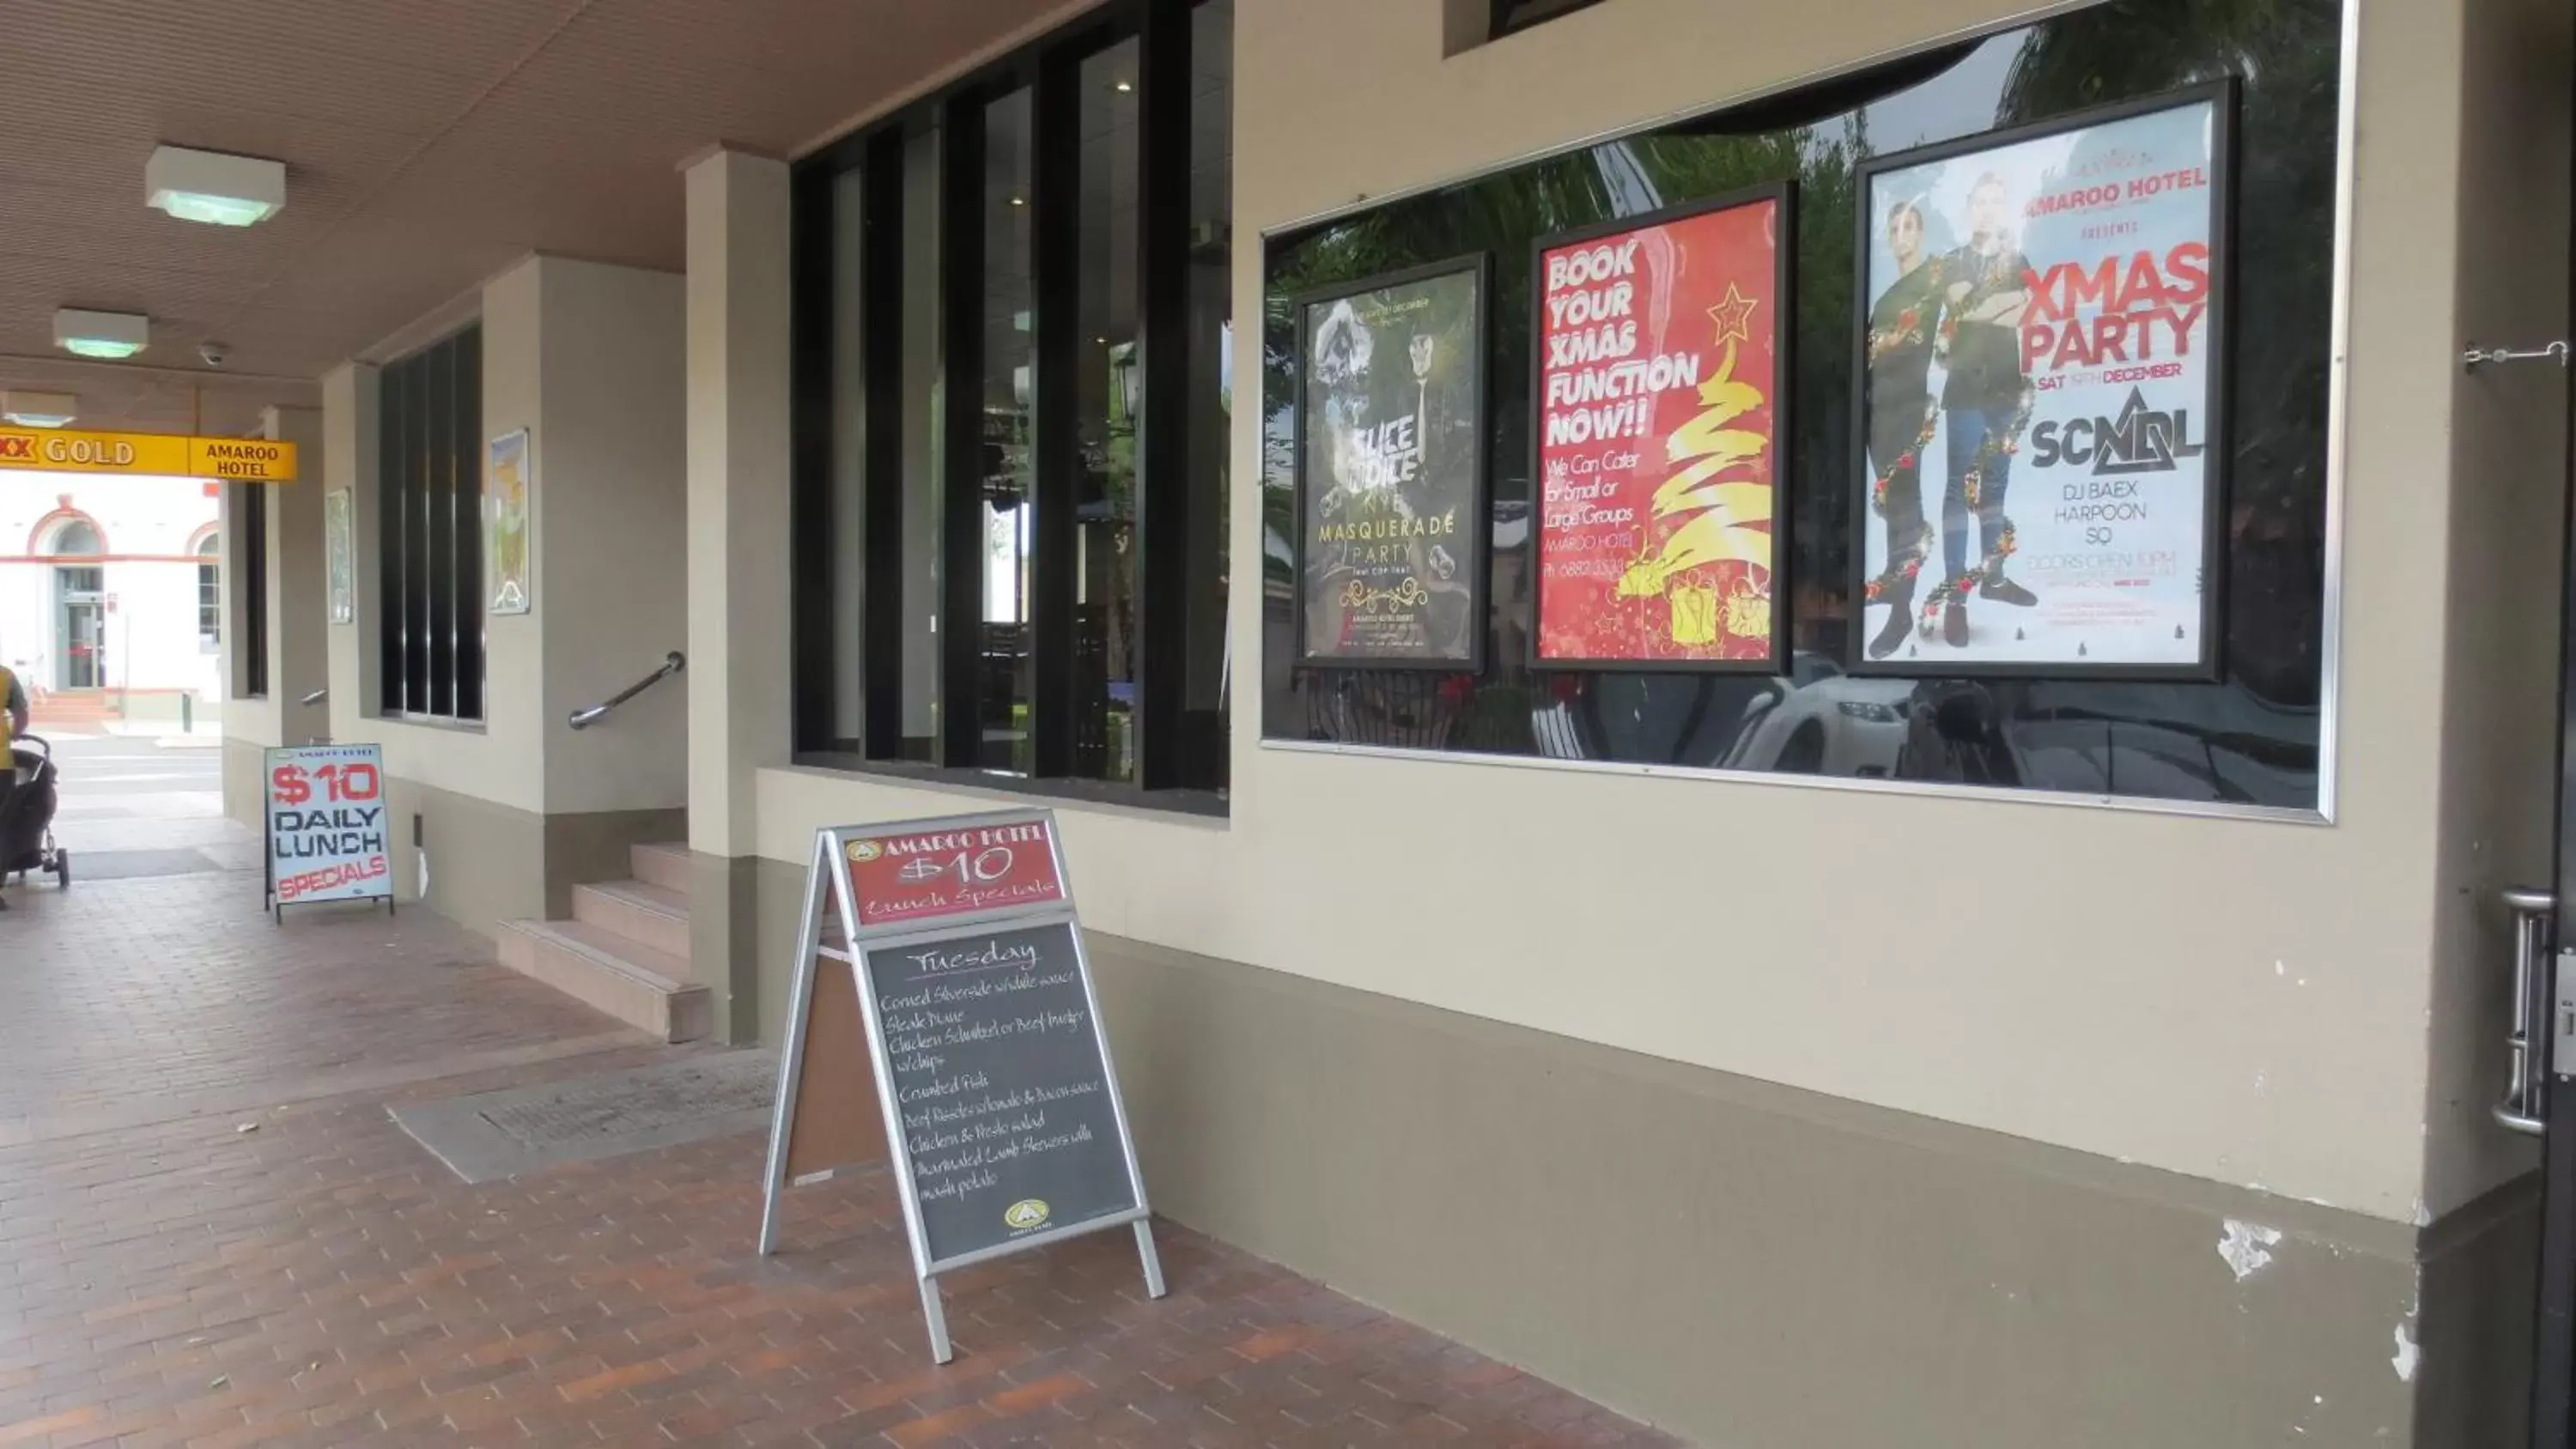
(493,1135)
(635,1102)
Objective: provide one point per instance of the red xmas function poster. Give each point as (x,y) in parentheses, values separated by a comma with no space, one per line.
(1658,419)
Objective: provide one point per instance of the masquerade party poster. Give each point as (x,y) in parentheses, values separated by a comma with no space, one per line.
(1658,421)
(1391,472)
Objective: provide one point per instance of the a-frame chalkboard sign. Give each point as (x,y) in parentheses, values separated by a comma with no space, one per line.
(1003,1121)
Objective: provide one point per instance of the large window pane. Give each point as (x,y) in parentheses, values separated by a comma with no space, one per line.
(922,413)
(1106,393)
(2251,738)
(1211,399)
(1010,365)
(848,511)
(429,506)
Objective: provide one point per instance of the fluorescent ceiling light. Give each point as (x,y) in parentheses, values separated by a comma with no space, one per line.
(39,409)
(212,187)
(109,335)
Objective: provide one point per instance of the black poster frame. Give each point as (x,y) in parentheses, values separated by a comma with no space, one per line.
(2219,448)
(1477,537)
(1783,194)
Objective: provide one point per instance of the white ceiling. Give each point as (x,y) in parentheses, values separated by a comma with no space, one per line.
(429,144)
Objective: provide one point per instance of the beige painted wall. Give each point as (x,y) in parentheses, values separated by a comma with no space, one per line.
(738,531)
(2500,689)
(2246,1002)
(611,536)
(588,358)
(292,599)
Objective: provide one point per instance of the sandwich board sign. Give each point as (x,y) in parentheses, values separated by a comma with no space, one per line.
(325,835)
(1002,1119)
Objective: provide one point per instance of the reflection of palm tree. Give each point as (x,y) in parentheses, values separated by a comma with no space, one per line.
(2277,410)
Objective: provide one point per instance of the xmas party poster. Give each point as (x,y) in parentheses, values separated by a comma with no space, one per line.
(1391,471)
(1658,419)
(2040,397)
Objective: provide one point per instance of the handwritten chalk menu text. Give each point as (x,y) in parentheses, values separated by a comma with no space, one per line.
(971,869)
(1001,1089)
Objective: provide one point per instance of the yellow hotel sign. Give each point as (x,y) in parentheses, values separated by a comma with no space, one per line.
(234,460)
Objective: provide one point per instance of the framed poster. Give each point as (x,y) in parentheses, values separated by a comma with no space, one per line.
(1659,387)
(1390,468)
(340,556)
(505,526)
(2040,398)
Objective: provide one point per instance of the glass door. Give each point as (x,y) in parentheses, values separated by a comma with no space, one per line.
(81,628)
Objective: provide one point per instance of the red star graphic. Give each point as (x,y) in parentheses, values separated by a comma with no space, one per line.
(1734,317)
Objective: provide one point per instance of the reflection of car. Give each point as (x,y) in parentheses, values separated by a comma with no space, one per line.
(1824,722)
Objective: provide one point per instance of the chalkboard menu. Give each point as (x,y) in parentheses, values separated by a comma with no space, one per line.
(960,951)
(1006,1107)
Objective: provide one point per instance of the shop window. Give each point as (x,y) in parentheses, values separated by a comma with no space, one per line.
(2158,676)
(1011,335)
(429,539)
(1514,15)
(210,593)
(250,585)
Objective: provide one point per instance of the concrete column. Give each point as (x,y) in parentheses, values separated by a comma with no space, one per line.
(292,602)
(348,464)
(738,545)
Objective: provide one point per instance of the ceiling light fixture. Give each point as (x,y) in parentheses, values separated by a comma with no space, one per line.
(1124,86)
(39,409)
(108,335)
(212,187)
(1019,201)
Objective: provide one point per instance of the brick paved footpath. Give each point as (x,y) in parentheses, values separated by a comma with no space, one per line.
(167,1279)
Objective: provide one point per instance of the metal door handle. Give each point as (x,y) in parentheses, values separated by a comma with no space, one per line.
(2534,1001)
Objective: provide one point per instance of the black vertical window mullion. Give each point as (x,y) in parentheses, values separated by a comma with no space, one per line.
(812,631)
(392,488)
(417,542)
(961,490)
(250,560)
(1162,452)
(881,616)
(1055,432)
(438,507)
(467,606)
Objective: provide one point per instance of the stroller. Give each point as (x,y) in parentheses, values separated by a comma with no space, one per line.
(27,797)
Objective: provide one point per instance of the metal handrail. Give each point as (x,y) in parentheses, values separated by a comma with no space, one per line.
(316,697)
(2524,1093)
(672,663)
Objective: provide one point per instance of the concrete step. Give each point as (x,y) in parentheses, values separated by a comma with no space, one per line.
(625,978)
(644,913)
(665,865)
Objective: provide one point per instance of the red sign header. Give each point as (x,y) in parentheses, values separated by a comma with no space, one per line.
(929,875)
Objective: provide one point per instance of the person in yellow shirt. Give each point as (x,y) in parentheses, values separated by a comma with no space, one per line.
(13,708)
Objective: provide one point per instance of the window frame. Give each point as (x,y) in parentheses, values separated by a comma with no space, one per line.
(1511,17)
(210,590)
(247,577)
(1050,70)
(431,624)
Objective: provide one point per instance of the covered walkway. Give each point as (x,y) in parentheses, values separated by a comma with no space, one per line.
(213,1233)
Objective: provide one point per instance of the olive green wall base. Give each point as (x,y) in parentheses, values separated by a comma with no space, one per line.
(724,941)
(1751,1265)
(491,863)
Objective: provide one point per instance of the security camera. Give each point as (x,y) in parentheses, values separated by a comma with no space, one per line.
(213,352)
